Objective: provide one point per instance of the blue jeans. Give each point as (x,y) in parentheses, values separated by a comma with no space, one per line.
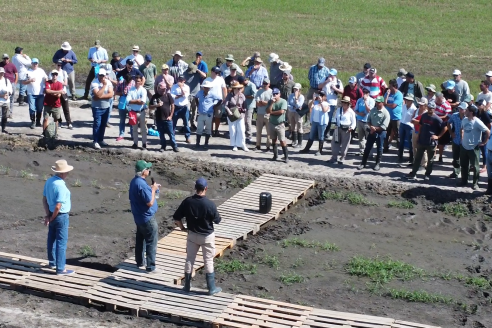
(121,125)
(317,130)
(330,118)
(57,241)
(12,100)
(22,89)
(35,104)
(489,163)
(182,112)
(378,138)
(146,243)
(101,116)
(166,127)
(405,132)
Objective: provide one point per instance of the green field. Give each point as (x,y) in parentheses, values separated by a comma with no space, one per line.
(429,38)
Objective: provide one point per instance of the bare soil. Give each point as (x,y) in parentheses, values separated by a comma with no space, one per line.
(423,236)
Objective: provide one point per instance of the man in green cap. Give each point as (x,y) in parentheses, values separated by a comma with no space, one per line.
(144,206)
(377,123)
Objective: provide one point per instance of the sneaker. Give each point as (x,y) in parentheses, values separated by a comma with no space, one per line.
(70,126)
(108,125)
(245,148)
(410,176)
(135,146)
(453,175)
(318,153)
(340,162)
(96,146)
(144,146)
(188,141)
(176,149)
(234,149)
(421,168)
(155,271)
(65,273)
(376,167)
(427,178)
(475,186)
(360,167)
(103,144)
(286,160)
(248,141)
(5,132)
(119,138)
(267,149)
(258,148)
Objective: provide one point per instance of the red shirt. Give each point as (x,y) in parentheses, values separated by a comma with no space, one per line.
(10,71)
(52,100)
(443,109)
(354,94)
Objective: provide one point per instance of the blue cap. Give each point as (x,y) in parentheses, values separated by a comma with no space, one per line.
(148,57)
(321,61)
(201,183)
(275,91)
(333,72)
(463,105)
(35,60)
(199,53)
(450,85)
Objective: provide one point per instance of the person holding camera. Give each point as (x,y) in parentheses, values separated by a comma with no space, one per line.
(276,109)
(345,123)
(5,94)
(332,87)
(294,105)
(318,108)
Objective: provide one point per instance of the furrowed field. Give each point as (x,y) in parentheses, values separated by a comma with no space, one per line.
(428,38)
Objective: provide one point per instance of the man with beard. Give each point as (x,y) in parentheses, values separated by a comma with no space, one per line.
(163,103)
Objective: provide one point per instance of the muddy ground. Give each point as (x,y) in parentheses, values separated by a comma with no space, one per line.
(423,236)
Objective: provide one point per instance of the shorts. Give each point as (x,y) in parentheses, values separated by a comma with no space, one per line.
(55,112)
(218,110)
(277,131)
(445,139)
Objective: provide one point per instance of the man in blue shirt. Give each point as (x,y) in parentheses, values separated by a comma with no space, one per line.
(317,74)
(362,109)
(144,206)
(454,128)
(96,55)
(68,59)
(393,101)
(57,205)
(257,73)
(202,67)
(206,102)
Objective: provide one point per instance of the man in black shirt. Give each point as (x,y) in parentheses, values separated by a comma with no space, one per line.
(201,214)
(450,94)
(163,103)
(129,69)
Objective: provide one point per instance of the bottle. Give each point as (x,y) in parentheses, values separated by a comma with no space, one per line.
(157,192)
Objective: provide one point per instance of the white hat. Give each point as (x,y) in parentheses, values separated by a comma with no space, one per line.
(5,56)
(66,46)
(2,70)
(273,57)
(489,73)
(178,53)
(285,67)
(352,79)
(136,48)
(54,71)
(297,86)
(456,72)
(102,71)
(61,166)
(207,84)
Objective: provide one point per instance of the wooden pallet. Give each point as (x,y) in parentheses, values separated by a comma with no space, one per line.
(405,324)
(328,319)
(247,311)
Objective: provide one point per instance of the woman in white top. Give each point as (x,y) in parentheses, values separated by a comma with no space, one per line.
(294,103)
(318,107)
(236,99)
(345,124)
(63,79)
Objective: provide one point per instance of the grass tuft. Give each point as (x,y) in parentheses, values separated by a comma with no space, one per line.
(87,251)
(350,197)
(304,243)
(457,210)
(404,204)
(77,183)
(290,278)
(161,203)
(420,296)
(381,270)
(230,266)
(271,260)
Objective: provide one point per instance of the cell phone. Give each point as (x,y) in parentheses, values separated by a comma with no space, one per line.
(152,179)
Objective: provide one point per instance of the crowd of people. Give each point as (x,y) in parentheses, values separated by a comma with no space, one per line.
(422,119)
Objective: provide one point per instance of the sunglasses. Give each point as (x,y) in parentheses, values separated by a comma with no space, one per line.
(34,63)
(54,74)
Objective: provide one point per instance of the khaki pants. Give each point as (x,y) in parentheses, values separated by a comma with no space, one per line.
(262,120)
(193,244)
(248,122)
(193,106)
(71,83)
(342,146)
(295,122)
(415,138)
(362,134)
(204,124)
(143,128)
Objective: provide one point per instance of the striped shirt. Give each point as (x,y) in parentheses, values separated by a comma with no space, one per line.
(376,86)
(443,109)
(177,69)
(317,75)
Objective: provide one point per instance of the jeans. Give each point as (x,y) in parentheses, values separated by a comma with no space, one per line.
(456,158)
(101,116)
(470,158)
(405,132)
(372,138)
(146,238)
(430,150)
(121,125)
(330,118)
(204,124)
(182,112)
(489,163)
(22,89)
(166,127)
(57,242)
(317,131)
(35,104)
(12,100)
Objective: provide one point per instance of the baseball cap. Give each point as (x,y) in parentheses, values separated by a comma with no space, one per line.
(410,75)
(333,72)
(366,90)
(35,60)
(201,183)
(5,56)
(54,72)
(102,71)
(431,105)
(373,70)
(181,78)
(489,73)
(468,98)
(423,101)
(165,66)
(481,102)
(401,72)
(216,69)
(367,65)
(473,109)
(463,105)
(2,70)
(199,53)
(240,79)
(18,50)
(129,62)
(321,61)
(148,57)
(380,99)
(142,165)
(275,91)
(266,80)
(322,93)
(456,72)
(450,85)
(297,86)
(352,79)
(59,62)
(115,54)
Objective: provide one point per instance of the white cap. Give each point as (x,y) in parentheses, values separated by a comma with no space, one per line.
(207,84)
(102,71)
(273,57)
(5,56)
(456,72)
(489,73)
(178,53)
(352,79)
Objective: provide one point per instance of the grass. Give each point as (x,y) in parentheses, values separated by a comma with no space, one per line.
(350,197)
(426,37)
(5,169)
(230,266)
(161,203)
(94,183)
(271,260)
(478,282)
(26,174)
(87,251)
(420,296)
(457,210)
(77,183)
(304,243)
(290,278)
(404,204)
(173,194)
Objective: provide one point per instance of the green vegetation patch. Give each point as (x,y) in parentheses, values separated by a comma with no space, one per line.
(350,197)
(230,266)
(382,270)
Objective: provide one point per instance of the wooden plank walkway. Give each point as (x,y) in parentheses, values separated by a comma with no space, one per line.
(135,292)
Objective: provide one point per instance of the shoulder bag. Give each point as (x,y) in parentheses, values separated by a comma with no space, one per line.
(235,114)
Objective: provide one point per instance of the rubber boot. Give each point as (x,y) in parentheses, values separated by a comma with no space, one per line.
(489,187)
(320,148)
(38,119)
(212,289)
(286,154)
(207,138)
(308,146)
(299,140)
(21,101)
(187,286)
(294,139)
(198,137)
(378,160)
(33,121)
(4,124)
(275,152)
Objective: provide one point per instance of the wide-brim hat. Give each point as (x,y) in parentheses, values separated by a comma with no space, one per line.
(345,99)
(136,48)
(66,46)
(258,60)
(192,68)
(207,84)
(178,53)
(431,87)
(61,166)
(285,67)
(229,57)
(236,85)
(409,96)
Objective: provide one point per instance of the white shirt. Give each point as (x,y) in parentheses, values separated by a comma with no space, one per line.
(176,91)
(136,94)
(21,63)
(400,80)
(36,88)
(226,71)
(218,84)
(407,114)
(346,118)
(62,76)
(5,88)
(331,96)
(487,97)
(138,59)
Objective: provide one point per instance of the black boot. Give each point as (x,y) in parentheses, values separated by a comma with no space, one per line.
(38,119)
(4,124)
(207,138)
(21,101)
(320,148)
(299,140)
(294,139)
(364,159)
(212,289)
(33,121)
(198,137)
(489,187)
(308,146)
(286,154)
(378,160)
(275,152)
(187,285)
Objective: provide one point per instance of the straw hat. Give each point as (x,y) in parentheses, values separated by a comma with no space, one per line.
(285,67)
(136,48)
(207,84)
(345,99)
(66,46)
(61,166)
(236,85)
